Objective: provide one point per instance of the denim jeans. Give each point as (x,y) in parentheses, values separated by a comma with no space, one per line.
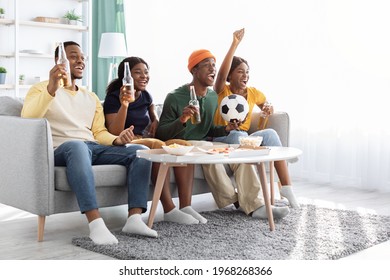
(270,137)
(79,156)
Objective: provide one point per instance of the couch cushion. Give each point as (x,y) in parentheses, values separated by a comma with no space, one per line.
(105,175)
(10,106)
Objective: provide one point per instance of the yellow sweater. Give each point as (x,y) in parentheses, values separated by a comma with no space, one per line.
(73,115)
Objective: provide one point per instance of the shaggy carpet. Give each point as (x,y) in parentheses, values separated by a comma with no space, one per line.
(309,233)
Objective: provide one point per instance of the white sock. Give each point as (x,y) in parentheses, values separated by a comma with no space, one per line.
(134,224)
(278,212)
(189,210)
(287,192)
(100,234)
(177,216)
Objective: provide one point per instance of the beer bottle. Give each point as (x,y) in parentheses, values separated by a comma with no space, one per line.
(195,118)
(128,81)
(62,59)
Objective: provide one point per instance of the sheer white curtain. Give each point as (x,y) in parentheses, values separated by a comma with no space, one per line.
(327,63)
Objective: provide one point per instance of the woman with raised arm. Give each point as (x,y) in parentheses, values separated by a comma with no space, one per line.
(232,78)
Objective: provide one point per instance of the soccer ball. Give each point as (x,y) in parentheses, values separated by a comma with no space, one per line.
(234,108)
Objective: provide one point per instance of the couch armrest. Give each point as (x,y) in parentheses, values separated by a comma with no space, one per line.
(26,164)
(279,121)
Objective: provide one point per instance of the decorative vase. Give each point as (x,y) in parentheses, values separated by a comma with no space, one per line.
(2,78)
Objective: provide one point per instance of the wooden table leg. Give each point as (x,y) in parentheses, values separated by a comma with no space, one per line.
(271,181)
(264,187)
(162,174)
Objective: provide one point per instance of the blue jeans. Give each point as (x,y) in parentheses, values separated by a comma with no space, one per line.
(270,137)
(79,156)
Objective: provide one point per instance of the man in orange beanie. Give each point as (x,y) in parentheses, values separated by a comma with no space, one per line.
(175,123)
(175,118)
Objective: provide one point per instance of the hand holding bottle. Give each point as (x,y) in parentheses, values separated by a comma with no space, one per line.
(65,78)
(188,112)
(127,90)
(266,110)
(126,95)
(195,116)
(55,78)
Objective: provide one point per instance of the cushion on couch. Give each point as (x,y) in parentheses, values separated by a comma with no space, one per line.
(10,106)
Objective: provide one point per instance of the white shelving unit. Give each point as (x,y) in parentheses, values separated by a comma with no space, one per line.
(27,46)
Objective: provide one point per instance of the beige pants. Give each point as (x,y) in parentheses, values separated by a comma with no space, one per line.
(224,193)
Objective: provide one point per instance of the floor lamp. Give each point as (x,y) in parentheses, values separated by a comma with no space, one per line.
(112,45)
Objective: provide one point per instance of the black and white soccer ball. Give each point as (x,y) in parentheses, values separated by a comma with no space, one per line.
(234,107)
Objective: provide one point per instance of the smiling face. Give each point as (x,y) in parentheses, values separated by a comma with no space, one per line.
(239,77)
(76,61)
(140,74)
(204,72)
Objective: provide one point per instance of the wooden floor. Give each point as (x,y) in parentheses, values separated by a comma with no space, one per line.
(18,230)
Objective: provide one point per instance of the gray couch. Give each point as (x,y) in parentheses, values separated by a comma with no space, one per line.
(30,182)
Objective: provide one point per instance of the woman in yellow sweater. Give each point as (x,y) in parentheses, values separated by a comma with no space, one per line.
(232,78)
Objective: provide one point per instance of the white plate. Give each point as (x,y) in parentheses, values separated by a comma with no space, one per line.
(224,151)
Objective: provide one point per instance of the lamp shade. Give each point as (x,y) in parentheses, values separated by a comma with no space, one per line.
(112,45)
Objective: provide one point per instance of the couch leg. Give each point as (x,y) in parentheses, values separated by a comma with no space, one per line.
(41,227)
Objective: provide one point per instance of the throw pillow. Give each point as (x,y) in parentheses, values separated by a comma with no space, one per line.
(10,106)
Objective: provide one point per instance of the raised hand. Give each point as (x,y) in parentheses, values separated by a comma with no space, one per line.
(238,35)
(126,96)
(55,76)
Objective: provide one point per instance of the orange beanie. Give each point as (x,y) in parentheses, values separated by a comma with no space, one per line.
(198,56)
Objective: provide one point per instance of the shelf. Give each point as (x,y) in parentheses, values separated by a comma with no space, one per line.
(4,21)
(7,55)
(7,86)
(25,86)
(31,55)
(53,25)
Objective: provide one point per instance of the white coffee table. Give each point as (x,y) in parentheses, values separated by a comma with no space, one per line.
(166,161)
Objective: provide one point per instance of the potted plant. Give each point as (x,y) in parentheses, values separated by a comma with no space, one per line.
(72,17)
(2,13)
(3,73)
(21,79)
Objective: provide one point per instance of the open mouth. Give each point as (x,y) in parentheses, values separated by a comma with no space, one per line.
(142,84)
(243,82)
(79,68)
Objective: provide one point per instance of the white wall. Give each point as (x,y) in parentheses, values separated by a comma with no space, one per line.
(305,47)
(327,63)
